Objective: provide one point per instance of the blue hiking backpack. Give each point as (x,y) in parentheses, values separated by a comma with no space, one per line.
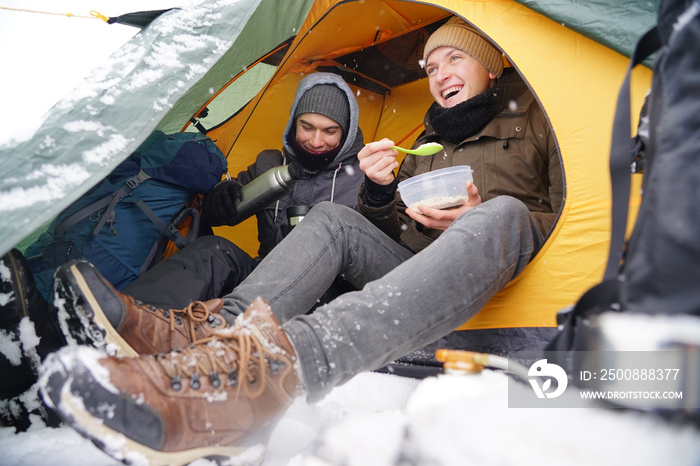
(123,224)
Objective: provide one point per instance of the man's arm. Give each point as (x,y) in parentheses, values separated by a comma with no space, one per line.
(377,195)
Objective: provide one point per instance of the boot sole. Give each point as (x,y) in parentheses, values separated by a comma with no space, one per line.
(88,325)
(56,392)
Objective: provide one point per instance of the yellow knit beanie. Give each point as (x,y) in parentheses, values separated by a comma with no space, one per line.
(456,33)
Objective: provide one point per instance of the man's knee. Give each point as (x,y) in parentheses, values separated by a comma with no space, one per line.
(510,206)
(501,210)
(331,213)
(210,242)
(207,248)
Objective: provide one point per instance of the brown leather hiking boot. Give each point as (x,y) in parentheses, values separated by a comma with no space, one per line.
(92,312)
(216,400)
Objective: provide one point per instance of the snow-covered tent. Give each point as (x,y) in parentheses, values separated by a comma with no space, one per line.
(230,67)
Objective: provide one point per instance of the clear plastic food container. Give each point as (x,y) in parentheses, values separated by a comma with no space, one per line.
(440,189)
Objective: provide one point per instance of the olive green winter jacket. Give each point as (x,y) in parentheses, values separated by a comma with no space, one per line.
(514,154)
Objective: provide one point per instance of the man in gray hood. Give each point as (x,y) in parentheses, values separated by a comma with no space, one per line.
(323,138)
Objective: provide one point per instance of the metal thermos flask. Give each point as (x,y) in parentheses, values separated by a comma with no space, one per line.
(266,189)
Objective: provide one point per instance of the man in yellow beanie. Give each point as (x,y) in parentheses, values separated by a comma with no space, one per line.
(420,274)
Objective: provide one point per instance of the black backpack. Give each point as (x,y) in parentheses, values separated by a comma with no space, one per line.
(654,277)
(658,270)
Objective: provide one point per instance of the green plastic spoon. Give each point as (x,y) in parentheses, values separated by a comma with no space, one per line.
(429,148)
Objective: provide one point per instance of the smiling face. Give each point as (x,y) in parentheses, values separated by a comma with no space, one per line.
(317,133)
(455,77)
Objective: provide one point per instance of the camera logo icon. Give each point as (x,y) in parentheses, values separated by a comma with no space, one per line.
(546,372)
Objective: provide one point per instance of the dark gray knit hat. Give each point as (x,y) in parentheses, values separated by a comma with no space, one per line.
(328,100)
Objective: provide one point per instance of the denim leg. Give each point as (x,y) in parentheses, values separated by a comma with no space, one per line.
(332,240)
(419,301)
(206,269)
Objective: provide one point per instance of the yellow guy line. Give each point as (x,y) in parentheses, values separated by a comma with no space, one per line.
(93,13)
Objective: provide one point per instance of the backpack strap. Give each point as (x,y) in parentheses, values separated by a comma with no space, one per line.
(130,184)
(170,230)
(602,297)
(108,201)
(81,214)
(160,248)
(623,154)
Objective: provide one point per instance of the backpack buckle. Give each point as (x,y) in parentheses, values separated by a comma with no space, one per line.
(137,179)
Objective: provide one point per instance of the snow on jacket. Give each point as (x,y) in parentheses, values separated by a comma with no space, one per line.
(338,182)
(514,154)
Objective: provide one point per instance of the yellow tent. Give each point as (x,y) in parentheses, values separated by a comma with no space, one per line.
(375,45)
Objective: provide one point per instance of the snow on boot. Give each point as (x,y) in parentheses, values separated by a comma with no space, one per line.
(92,312)
(218,400)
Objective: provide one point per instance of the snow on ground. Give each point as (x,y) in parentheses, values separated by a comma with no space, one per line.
(375,419)
(379,419)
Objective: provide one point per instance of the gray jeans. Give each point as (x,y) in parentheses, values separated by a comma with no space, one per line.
(406,300)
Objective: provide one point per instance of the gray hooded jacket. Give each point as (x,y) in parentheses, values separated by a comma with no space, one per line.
(338,182)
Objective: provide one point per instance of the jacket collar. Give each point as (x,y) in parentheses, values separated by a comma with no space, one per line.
(510,123)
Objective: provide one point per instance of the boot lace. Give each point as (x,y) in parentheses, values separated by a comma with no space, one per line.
(234,355)
(195,313)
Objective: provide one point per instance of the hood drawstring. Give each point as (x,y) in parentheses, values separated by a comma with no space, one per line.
(335,175)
